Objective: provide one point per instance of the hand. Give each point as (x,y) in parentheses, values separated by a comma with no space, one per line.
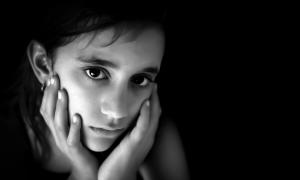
(125,159)
(54,109)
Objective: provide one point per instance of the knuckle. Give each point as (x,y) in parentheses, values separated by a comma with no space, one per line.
(44,114)
(71,144)
(58,127)
(42,111)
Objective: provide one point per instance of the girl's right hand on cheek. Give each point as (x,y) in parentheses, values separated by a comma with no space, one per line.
(54,109)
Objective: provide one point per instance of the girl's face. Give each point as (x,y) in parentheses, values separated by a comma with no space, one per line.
(107,85)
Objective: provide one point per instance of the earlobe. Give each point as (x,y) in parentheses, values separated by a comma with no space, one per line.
(40,63)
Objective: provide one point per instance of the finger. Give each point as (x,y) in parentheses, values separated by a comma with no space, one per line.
(44,100)
(142,122)
(61,114)
(50,98)
(155,110)
(74,133)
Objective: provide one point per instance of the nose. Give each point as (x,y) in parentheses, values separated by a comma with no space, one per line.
(114,105)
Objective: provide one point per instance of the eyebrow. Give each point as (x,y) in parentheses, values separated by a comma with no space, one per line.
(106,63)
(152,70)
(98,61)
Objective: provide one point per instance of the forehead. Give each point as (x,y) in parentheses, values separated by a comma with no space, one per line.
(143,48)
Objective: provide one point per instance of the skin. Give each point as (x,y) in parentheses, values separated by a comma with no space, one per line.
(111,101)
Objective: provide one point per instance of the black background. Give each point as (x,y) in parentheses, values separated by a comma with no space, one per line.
(205,82)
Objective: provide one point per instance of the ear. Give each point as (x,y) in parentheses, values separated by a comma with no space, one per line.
(40,63)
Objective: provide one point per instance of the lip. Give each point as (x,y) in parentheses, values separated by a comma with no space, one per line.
(105,132)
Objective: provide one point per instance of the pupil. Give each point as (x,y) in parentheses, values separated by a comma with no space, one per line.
(139,80)
(94,73)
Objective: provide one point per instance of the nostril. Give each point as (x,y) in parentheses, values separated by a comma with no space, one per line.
(113,113)
(114,117)
(115,121)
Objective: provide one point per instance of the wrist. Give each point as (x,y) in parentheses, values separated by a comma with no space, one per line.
(82,174)
(117,173)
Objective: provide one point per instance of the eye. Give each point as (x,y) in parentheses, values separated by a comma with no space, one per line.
(141,81)
(96,73)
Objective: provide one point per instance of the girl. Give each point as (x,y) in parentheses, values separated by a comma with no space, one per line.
(88,98)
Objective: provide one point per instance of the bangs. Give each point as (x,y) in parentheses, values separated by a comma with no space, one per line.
(68,24)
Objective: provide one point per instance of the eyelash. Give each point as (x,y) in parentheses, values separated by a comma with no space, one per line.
(149,79)
(102,70)
(106,76)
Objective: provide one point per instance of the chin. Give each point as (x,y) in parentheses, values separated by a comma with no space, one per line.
(98,145)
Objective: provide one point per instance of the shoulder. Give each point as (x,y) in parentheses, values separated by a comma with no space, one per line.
(166,160)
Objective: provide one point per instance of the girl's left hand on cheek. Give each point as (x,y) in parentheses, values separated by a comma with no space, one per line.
(126,158)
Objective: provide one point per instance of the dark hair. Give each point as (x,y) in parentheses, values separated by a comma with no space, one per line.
(60,26)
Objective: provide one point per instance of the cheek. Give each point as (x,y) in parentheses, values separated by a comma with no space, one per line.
(81,99)
(136,101)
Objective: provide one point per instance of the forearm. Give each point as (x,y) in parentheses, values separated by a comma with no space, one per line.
(117,173)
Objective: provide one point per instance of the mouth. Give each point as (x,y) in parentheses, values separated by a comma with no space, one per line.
(105,132)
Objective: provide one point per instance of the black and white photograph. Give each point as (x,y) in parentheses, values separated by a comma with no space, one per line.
(91,91)
(137,91)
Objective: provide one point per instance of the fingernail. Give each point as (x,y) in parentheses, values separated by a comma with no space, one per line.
(52,81)
(147,103)
(59,95)
(75,119)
